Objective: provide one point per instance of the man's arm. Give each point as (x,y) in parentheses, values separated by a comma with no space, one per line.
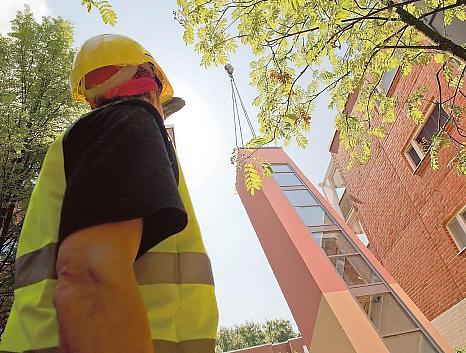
(121,199)
(98,303)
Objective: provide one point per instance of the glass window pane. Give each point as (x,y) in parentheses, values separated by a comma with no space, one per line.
(313,216)
(425,135)
(345,205)
(354,270)
(300,198)
(318,237)
(387,79)
(463,215)
(414,156)
(286,179)
(336,243)
(426,346)
(414,342)
(458,232)
(281,168)
(394,317)
(434,123)
(386,314)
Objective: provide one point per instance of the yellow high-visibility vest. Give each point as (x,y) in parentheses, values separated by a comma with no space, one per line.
(174,278)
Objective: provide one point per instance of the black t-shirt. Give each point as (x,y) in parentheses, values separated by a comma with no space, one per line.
(120,165)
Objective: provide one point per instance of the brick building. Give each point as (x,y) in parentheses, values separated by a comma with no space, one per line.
(414,217)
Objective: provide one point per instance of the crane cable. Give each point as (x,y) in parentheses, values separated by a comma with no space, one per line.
(236,114)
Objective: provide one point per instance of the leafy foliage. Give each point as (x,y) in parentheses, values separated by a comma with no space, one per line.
(303,48)
(35,106)
(439,141)
(255,169)
(278,331)
(250,334)
(105,9)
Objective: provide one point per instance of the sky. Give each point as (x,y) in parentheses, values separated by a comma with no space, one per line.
(245,285)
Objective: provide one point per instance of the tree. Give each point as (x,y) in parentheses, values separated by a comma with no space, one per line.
(303,48)
(250,334)
(278,331)
(35,106)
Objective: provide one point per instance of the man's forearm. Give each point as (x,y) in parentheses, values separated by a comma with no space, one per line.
(99,307)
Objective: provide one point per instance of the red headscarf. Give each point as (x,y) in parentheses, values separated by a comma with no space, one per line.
(142,82)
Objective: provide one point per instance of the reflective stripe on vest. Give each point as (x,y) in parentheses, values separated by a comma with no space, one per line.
(175,277)
(152,268)
(193,346)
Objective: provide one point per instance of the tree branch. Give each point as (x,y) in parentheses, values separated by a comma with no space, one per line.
(442,42)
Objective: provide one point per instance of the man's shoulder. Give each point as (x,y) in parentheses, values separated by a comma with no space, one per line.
(129,105)
(121,109)
(112,114)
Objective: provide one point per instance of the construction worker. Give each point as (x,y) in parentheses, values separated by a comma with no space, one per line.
(110,257)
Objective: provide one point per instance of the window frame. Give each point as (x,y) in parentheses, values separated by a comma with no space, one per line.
(291,185)
(290,170)
(324,211)
(462,224)
(412,143)
(301,188)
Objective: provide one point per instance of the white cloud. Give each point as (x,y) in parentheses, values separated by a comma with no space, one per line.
(8,10)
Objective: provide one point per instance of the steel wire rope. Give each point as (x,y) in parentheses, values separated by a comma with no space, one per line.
(246,115)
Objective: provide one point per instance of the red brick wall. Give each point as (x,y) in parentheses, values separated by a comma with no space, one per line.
(403,213)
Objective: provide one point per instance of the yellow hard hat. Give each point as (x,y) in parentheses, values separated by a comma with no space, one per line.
(112,49)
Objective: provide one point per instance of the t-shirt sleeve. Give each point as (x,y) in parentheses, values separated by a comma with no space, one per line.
(118,168)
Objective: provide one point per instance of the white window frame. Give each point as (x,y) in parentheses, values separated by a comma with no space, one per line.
(329,187)
(420,152)
(462,225)
(414,144)
(353,217)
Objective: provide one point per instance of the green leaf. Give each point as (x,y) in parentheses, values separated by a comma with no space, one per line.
(267,169)
(301,140)
(252,178)
(439,141)
(105,9)
(439,58)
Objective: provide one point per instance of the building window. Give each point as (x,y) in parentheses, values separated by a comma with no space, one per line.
(334,243)
(397,329)
(284,175)
(300,198)
(457,228)
(354,270)
(334,188)
(387,79)
(420,144)
(287,179)
(313,216)
(281,168)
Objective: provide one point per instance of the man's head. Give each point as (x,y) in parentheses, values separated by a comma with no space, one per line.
(112,83)
(112,67)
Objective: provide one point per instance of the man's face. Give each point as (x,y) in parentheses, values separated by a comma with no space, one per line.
(155,98)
